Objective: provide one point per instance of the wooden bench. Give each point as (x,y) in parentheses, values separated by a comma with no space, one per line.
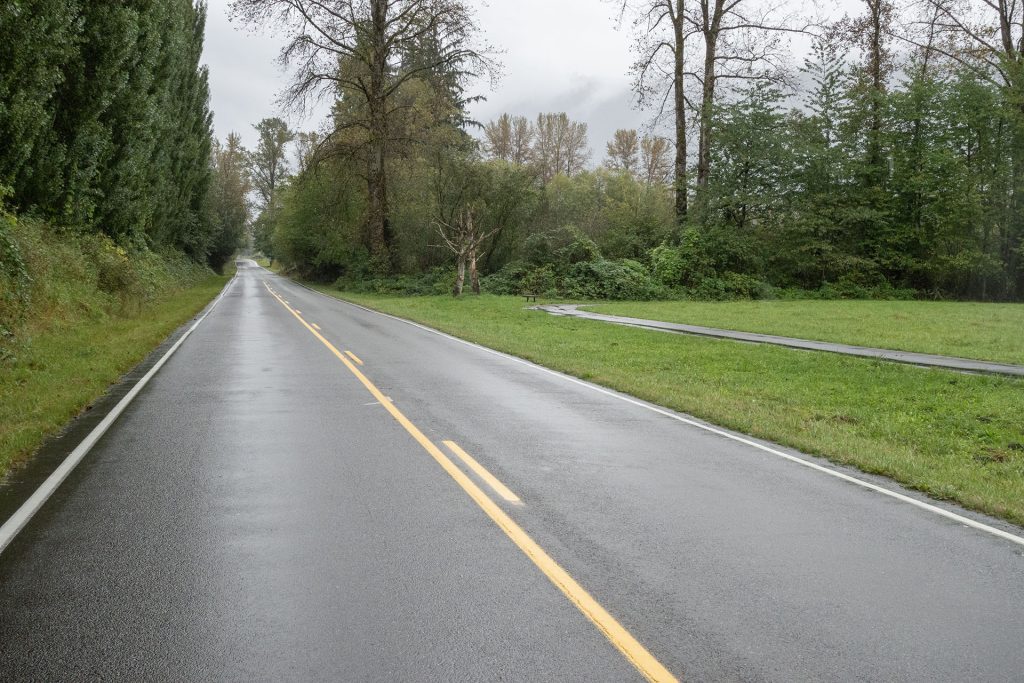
(530,296)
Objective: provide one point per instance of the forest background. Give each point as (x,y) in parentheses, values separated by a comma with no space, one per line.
(889,164)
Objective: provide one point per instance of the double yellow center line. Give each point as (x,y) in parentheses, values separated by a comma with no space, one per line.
(622,639)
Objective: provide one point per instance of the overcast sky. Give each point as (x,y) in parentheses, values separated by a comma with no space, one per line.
(559,55)
(573,61)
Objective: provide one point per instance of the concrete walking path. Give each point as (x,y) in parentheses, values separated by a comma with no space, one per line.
(923,359)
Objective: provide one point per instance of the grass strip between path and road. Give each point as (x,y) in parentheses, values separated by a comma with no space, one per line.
(981,331)
(954,436)
(66,366)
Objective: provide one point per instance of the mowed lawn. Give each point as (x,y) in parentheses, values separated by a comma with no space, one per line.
(67,366)
(954,436)
(971,330)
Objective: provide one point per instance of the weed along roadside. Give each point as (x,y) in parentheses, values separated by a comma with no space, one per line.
(953,436)
(63,367)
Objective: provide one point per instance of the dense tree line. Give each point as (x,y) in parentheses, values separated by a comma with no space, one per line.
(890,164)
(105,122)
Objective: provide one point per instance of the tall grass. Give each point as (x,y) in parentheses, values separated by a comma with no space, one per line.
(76,312)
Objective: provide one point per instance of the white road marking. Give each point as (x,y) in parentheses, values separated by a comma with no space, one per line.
(966,521)
(30,507)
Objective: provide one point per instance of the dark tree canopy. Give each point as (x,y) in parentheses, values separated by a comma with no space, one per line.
(106,111)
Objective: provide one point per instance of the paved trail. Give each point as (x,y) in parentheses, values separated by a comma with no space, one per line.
(924,359)
(265,510)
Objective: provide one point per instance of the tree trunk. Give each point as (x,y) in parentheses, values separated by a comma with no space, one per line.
(678,84)
(460,278)
(474,276)
(473,245)
(875,161)
(379,226)
(707,100)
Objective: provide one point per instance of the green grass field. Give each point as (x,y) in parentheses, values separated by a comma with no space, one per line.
(66,366)
(972,330)
(955,436)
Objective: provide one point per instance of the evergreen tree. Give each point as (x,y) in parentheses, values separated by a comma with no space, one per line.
(39,38)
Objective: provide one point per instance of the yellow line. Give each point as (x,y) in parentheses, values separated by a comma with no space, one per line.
(315,326)
(298,311)
(622,639)
(354,357)
(482,472)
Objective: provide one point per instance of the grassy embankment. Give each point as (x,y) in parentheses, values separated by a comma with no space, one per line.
(89,314)
(954,436)
(972,330)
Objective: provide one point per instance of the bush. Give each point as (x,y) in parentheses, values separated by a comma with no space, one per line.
(731,286)
(518,277)
(540,280)
(616,280)
(597,279)
(49,277)
(507,281)
(439,280)
(686,265)
(581,249)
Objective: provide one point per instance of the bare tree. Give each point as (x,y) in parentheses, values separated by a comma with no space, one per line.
(559,145)
(463,237)
(498,138)
(522,140)
(577,151)
(357,51)
(742,40)
(655,160)
(623,151)
(509,138)
(660,76)
(986,36)
(729,39)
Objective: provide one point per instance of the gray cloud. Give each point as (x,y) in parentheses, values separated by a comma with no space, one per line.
(563,55)
(558,55)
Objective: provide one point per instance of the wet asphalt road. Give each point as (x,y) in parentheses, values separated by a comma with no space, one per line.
(256,515)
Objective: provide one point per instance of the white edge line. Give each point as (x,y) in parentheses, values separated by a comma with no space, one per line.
(16,522)
(967,521)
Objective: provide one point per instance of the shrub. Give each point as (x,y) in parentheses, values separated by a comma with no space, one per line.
(439,280)
(67,277)
(730,286)
(686,265)
(507,281)
(518,277)
(581,249)
(625,279)
(540,281)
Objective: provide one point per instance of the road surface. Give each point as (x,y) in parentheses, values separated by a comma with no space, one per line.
(924,359)
(265,510)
